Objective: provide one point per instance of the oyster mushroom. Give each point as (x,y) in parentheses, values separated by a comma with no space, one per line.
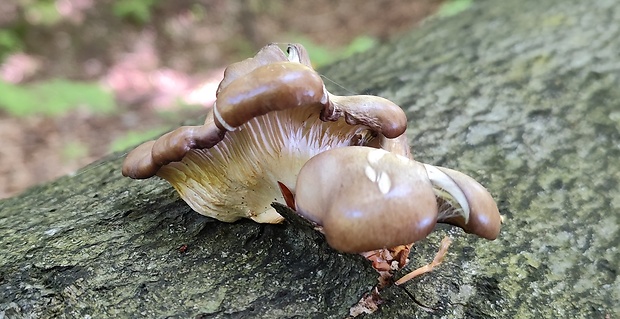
(474,211)
(380,199)
(271,115)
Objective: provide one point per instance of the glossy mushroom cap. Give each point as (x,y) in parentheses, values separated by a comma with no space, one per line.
(146,160)
(283,85)
(367,199)
(483,218)
(271,115)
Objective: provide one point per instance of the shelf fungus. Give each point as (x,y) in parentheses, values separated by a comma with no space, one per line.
(275,133)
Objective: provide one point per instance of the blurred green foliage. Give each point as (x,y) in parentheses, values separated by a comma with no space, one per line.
(34,12)
(138,11)
(453,7)
(323,55)
(41,12)
(45,13)
(74,150)
(9,43)
(54,97)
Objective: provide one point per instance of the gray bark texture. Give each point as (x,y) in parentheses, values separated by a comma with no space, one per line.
(523,95)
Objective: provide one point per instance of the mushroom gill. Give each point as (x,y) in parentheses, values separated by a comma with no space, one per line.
(238,177)
(272,114)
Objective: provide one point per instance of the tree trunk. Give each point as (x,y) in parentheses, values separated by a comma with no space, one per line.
(522,95)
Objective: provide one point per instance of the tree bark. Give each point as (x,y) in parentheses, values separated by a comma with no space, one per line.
(522,95)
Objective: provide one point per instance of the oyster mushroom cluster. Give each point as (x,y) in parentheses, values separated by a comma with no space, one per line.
(343,162)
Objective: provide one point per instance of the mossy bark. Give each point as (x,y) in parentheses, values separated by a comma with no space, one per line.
(522,95)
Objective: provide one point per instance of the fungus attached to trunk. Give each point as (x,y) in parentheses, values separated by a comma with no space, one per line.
(271,115)
(275,133)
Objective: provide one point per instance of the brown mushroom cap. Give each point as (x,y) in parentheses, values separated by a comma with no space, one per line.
(265,124)
(270,53)
(283,85)
(484,219)
(367,110)
(366,198)
(145,160)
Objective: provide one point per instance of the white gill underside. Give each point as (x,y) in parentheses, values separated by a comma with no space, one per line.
(448,190)
(238,177)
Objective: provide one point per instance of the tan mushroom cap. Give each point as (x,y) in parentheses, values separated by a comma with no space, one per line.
(484,218)
(270,53)
(145,160)
(366,198)
(283,85)
(367,110)
(267,121)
